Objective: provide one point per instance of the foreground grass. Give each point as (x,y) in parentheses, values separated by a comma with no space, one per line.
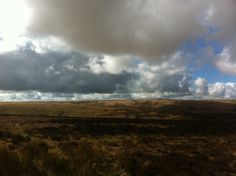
(139,138)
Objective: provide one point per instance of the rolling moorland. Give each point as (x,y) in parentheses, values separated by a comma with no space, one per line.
(118,137)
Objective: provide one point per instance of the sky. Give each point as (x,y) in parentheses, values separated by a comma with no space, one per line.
(108,49)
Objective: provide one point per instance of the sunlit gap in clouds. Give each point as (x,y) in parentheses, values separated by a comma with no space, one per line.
(15,16)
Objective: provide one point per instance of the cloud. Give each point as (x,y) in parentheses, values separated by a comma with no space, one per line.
(224,19)
(226,61)
(135,48)
(26,74)
(217,89)
(201,86)
(110,64)
(149,29)
(214,90)
(9,96)
(169,77)
(72,72)
(52,71)
(223,90)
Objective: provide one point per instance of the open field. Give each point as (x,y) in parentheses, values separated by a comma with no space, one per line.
(118,137)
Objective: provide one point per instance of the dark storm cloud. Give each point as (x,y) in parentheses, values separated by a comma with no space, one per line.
(68,72)
(55,71)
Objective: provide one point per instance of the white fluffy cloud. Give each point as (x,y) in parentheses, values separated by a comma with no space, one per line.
(223,90)
(216,90)
(201,86)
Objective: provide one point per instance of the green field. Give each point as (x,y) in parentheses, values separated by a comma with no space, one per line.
(118,137)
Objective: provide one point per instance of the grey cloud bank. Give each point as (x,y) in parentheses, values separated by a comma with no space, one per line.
(27,75)
(151,29)
(73,72)
(26,69)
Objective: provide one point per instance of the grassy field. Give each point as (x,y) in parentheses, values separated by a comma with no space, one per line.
(118,137)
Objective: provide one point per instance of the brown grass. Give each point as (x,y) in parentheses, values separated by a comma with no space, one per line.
(139,137)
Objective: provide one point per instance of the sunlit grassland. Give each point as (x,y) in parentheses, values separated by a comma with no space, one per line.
(118,137)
